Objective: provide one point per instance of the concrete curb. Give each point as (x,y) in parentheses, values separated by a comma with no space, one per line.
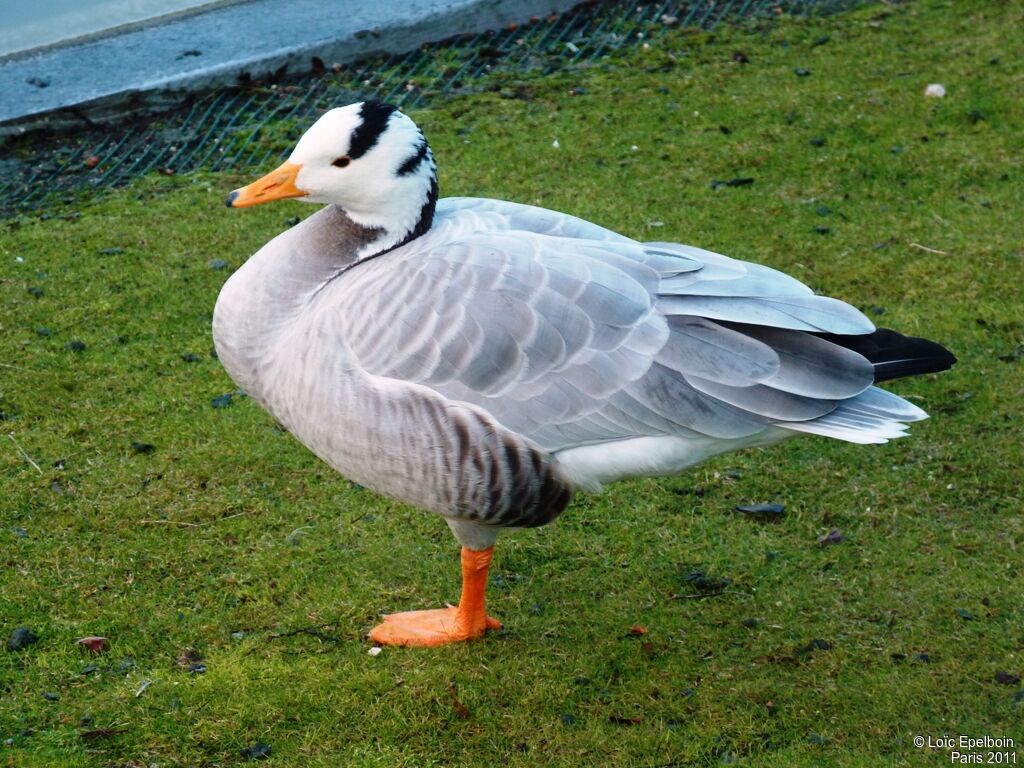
(145,69)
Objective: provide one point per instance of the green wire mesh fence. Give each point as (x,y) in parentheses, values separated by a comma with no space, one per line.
(252,125)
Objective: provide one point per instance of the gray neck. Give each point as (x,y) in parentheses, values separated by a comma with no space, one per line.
(263,299)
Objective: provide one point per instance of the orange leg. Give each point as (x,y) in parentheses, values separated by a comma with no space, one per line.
(445,625)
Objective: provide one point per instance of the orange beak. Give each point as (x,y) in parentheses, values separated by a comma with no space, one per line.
(276,185)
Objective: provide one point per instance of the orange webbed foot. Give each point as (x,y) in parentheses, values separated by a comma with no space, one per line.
(431,628)
(445,625)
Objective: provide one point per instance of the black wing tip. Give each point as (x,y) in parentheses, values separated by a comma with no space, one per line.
(896,356)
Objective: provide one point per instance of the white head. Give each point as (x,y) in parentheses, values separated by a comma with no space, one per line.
(370,160)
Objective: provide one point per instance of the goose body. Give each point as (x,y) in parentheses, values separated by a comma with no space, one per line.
(484,360)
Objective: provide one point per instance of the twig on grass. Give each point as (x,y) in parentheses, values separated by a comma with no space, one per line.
(22,451)
(703,595)
(930,250)
(190,525)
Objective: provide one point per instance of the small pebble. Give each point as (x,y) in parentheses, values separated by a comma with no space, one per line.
(43,331)
(35,291)
(76,346)
(19,533)
(217,264)
(801,72)
(51,696)
(237,635)
(21,638)
(965,614)
(190,357)
(935,91)
(111,251)
(817,141)
(375,651)
(138,447)
(221,401)
(291,222)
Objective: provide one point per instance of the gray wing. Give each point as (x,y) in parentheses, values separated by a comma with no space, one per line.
(569,334)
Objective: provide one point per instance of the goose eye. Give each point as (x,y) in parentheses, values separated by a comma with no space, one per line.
(341,162)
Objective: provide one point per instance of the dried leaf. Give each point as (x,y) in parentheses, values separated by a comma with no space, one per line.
(93,643)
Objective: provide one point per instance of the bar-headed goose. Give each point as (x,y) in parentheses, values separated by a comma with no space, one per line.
(484,360)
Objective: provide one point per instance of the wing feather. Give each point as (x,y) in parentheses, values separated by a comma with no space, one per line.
(570,334)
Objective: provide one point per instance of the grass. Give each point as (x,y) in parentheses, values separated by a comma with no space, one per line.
(229,540)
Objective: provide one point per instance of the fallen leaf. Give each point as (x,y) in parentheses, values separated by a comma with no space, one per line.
(621,720)
(638,629)
(93,643)
(461,710)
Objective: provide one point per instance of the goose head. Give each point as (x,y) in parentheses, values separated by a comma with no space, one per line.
(370,160)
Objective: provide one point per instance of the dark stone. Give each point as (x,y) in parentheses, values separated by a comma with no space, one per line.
(35,291)
(1007,678)
(43,331)
(817,141)
(832,537)
(567,719)
(765,512)
(190,357)
(258,751)
(51,696)
(964,614)
(76,345)
(143,447)
(222,401)
(740,181)
(111,251)
(21,638)
(751,623)
(291,222)
(823,230)
(921,658)
(820,41)
(801,72)
(975,116)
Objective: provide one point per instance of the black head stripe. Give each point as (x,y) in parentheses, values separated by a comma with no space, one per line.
(414,160)
(375,116)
